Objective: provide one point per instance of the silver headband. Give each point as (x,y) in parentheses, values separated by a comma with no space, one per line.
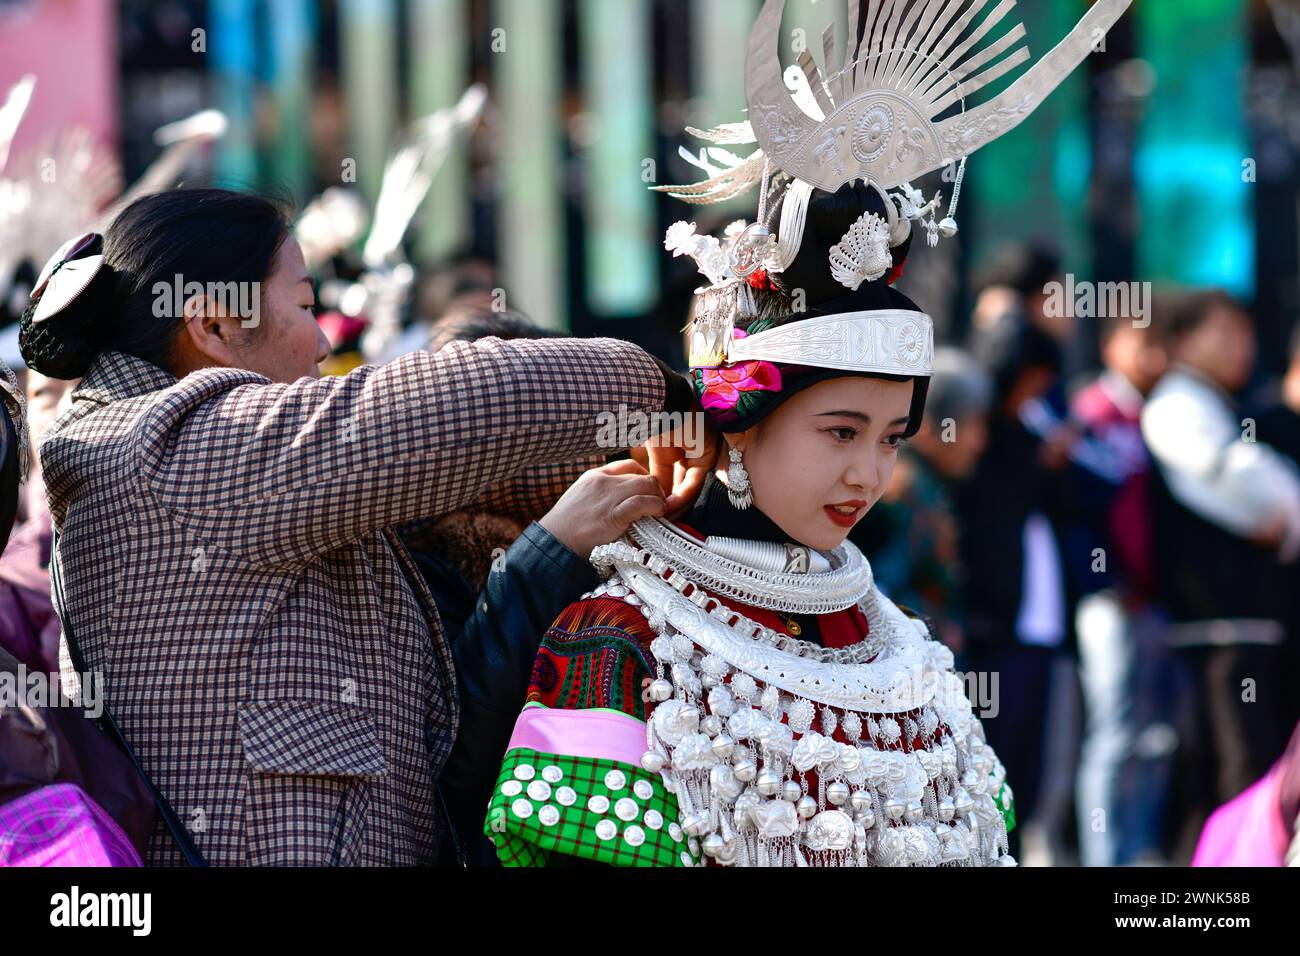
(890,341)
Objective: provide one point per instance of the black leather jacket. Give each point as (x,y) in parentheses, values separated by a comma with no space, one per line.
(494,638)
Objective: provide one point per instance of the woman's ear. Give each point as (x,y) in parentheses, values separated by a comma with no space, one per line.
(206,333)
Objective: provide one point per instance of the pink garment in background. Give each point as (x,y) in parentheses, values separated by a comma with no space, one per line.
(1247,830)
(60,825)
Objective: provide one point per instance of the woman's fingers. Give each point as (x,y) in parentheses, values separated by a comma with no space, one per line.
(690,471)
(635,508)
(623,467)
(662,460)
(687,484)
(632,485)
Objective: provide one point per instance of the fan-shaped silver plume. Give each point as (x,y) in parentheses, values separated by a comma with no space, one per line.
(913,60)
(730,182)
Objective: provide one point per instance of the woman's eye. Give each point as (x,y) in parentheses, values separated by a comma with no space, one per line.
(895,441)
(844,434)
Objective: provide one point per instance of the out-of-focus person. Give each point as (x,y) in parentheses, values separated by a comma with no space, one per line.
(1226,512)
(1260,826)
(1126,677)
(1275,409)
(911,535)
(1016,616)
(68,795)
(1019,280)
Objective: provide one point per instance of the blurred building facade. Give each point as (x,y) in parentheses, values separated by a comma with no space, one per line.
(1172,158)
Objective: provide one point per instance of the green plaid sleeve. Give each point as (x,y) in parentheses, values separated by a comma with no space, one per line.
(547,806)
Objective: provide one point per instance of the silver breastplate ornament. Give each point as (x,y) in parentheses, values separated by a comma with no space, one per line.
(742,719)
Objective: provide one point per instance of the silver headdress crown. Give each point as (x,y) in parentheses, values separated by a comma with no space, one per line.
(876,119)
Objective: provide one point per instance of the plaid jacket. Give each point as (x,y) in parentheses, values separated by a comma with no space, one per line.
(259,631)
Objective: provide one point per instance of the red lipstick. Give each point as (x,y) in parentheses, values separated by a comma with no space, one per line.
(845,519)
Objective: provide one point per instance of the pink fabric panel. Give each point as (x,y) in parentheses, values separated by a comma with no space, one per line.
(581,733)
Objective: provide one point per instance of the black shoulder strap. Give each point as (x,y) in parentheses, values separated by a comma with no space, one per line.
(193,856)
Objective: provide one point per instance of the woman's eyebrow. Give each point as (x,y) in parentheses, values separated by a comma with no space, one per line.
(860,416)
(864,418)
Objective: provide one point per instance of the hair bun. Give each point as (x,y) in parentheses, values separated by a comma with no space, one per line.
(64,345)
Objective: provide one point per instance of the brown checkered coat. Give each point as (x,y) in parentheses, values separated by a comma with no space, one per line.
(266,643)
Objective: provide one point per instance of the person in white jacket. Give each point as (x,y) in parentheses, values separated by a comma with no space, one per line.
(1210,457)
(1226,521)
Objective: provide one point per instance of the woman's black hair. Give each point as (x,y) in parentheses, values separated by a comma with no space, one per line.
(829,217)
(183,235)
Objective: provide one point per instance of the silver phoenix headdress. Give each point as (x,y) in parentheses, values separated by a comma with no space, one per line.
(875,118)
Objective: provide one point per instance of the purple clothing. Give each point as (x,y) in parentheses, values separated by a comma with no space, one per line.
(1111,410)
(60,825)
(29,628)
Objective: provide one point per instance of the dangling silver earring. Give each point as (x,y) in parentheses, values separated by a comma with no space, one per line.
(738,489)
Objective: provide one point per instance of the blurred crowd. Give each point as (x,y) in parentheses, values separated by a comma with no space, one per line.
(1112,556)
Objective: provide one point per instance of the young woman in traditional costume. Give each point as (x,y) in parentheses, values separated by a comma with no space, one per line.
(737,690)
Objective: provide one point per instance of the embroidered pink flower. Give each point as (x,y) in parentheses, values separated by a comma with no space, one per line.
(723,386)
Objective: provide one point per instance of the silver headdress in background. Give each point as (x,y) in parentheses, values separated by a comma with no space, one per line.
(36,217)
(337,219)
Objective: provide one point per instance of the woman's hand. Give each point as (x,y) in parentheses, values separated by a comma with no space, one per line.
(602,504)
(682,459)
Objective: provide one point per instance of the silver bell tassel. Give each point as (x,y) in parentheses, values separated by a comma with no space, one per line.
(746,768)
(768,782)
(652,762)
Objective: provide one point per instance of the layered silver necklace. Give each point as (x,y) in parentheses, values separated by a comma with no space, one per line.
(742,719)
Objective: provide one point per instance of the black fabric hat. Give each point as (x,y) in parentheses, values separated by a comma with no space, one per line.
(742,393)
